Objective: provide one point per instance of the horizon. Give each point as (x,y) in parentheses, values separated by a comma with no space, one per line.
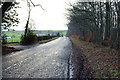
(37,30)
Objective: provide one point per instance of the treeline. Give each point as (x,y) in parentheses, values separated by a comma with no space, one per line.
(98,22)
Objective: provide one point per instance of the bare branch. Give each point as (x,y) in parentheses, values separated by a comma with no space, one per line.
(36,5)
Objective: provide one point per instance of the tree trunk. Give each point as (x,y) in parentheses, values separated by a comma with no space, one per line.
(101,22)
(118,26)
(107,28)
(27,24)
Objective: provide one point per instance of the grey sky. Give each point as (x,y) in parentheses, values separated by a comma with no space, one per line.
(53,18)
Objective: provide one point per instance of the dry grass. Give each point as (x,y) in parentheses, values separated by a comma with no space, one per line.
(103,60)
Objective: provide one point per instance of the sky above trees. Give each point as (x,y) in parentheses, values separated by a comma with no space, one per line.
(51,18)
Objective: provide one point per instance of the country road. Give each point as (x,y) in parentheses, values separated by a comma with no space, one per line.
(49,60)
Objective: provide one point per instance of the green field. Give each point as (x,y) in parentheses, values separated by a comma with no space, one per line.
(64,33)
(16,34)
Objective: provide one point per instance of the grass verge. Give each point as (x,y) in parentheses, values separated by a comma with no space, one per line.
(103,61)
(44,41)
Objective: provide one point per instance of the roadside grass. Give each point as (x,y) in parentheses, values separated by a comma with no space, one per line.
(103,60)
(11,44)
(44,41)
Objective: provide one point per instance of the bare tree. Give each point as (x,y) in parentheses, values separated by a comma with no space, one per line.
(29,2)
(100,19)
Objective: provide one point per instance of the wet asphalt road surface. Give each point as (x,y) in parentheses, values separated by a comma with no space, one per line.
(49,60)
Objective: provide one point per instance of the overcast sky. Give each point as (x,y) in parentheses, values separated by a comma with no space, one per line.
(52,18)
